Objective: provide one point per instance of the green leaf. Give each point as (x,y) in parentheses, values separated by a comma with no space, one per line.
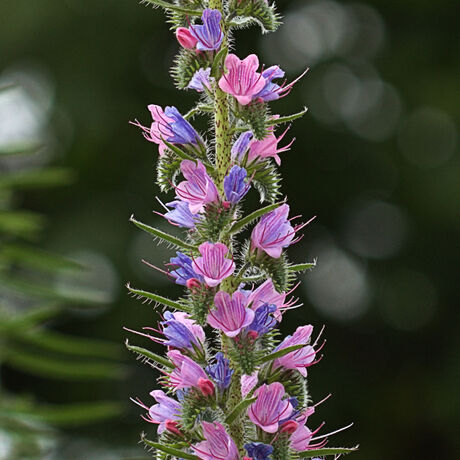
(261,13)
(287,118)
(20,148)
(302,267)
(36,178)
(163,235)
(218,61)
(150,355)
(68,414)
(29,319)
(157,298)
(186,63)
(238,409)
(180,153)
(172,7)
(70,345)
(242,223)
(169,450)
(37,258)
(24,224)
(280,353)
(168,168)
(266,180)
(326,451)
(198,109)
(45,366)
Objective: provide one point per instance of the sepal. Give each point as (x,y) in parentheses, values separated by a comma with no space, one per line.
(257,11)
(266,180)
(186,64)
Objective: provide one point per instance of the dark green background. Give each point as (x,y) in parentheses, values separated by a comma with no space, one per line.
(376,159)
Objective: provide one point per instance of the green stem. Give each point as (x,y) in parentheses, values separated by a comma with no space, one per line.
(221,117)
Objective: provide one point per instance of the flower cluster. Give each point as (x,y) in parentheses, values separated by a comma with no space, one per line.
(231,388)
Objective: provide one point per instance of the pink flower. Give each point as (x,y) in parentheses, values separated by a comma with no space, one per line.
(199,189)
(248,382)
(213,265)
(231,314)
(268,147)
(301,437)
(187,373)
(242,80)
(270,407)
(218,445)
(273,232)
(301,358)
(186,38)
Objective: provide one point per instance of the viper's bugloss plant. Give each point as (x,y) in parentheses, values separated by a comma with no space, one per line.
(232,388)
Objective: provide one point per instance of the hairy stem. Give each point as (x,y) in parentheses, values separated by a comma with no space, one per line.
(221,117)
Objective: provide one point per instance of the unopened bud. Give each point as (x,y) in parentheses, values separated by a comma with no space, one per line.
(172,427)
(192,283)
(253,335)
(206,386)
(226,204)
(289,427)
(185,38)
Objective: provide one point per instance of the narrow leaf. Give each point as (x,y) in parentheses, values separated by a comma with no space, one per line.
(172,7)
(197,109)
(242,223)
(238,409)
(21,223)
(163,235)
(280,353)
(302,267)
(169,450)
(157,298)
(150,355)
(36,178)
(180,153)
(23,148)
(220,57)
(288,118)
(326,451)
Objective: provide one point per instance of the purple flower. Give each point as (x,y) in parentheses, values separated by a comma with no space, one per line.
(166,409)
(180,214)
(231,314)
(241,145)
(220,372)
(218,445)
(258,450)
(199,189)
(235,185)
(169,125)
(301,358)
(201,80)
(187,373)
(270,92)
(184,272)
(209,35)
(181,331)
(263,320)
(242,80)
(300,439)
(213,265)
(273,232)
(270,407)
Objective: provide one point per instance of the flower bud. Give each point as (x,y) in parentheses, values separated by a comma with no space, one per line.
(253,335)
(289,427)
(172,427)
(185,38)
(206,387)
(192,284)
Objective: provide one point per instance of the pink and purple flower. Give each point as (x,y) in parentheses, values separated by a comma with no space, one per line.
(270,407)
(242,79)
(231,314)
(198,189)
(218,445)
(235,184)
(213,265)
(299,359)
(169,125)
(273,232)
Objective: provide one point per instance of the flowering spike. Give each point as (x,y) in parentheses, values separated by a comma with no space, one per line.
(239,392)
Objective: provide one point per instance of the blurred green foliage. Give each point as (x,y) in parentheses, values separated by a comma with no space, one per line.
(376,159)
